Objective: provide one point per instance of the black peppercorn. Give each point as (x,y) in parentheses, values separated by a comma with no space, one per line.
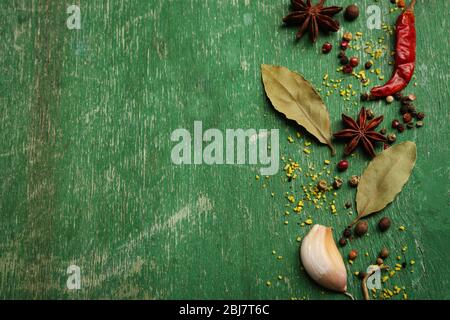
(344,60)
(348,205)
(361,228)
(351,12)
(347,233)
(420,116)
(370,114)
(342,242)
(404,109)
(364,97)
(341,54)
(368,65)
(384,224)
(411,108)
(398,96)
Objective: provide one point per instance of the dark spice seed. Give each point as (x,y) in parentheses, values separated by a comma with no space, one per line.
(348,69)
(411,108)
(401,128)
(344,60)
(368,65)
(420,116)
(384,253)
(341,54)
(395,124)
(392,138)
(384,224)
(398,96)
(404,265)
(347,233)
(348,205)
(353,255)
(364,97)
(351,12)
(337,183)
(404,109)
(383,131)
(370,114)
(361,228)
(342,242)
(407,117)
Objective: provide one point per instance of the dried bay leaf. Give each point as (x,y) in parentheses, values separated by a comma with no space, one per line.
(296,98)
(384,178)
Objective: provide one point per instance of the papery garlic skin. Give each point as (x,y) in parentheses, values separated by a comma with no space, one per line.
(322,260)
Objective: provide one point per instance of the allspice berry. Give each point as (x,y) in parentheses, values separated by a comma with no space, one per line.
(384,224)
(337,184)
(351,12)
(353,255)
(354,181)
(384,253)
(361,228)
(322,185)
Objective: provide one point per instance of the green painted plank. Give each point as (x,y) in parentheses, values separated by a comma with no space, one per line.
(86,173)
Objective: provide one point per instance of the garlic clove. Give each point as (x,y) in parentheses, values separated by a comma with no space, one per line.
(322,260)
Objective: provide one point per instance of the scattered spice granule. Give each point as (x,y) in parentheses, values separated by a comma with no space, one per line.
(268,283)
(308,222)
(290,140)
(402,228)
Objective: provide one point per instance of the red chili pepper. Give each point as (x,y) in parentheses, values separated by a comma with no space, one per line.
(405,55)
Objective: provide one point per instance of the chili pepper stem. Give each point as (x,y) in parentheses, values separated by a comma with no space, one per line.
(354,222)
(333,150)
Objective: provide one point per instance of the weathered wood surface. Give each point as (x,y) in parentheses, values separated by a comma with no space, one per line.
(86,175)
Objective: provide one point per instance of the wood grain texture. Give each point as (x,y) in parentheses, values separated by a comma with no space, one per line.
(85,169)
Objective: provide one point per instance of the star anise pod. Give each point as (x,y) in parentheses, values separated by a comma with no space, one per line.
(312,17)
(361,132)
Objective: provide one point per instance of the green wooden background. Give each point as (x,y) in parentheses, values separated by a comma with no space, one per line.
(85,170)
